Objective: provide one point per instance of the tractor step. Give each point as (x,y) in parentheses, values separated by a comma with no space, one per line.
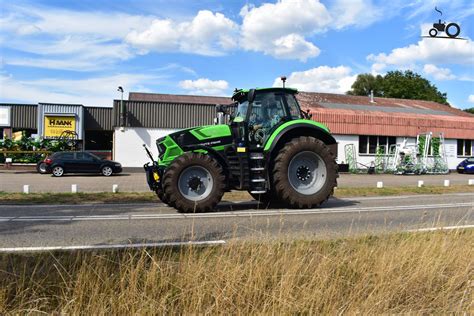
(258,180)
(258,192)
(256,156)
(257,169)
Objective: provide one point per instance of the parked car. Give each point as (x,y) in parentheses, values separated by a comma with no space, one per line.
(466,166)
(80,162)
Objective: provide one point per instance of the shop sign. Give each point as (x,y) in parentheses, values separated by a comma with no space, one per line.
(54,126)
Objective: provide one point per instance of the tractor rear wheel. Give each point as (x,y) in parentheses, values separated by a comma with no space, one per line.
(194,183)
(304,173)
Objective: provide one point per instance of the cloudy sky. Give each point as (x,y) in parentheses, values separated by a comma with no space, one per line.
(80,51)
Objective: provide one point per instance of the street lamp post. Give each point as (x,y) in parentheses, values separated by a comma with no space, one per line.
(122,107)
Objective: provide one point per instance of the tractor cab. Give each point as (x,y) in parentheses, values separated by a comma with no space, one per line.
(259,112)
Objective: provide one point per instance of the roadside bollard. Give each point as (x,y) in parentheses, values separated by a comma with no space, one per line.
(115,188)
(379,185)
(446,183)
(471,182)
(73,188)
(421,183)
(26,189)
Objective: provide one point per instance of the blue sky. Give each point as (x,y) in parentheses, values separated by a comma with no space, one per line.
(80,51)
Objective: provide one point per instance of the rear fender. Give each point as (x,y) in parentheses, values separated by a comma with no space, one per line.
(296,128)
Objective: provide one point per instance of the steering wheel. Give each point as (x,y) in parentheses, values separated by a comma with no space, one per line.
(257,135)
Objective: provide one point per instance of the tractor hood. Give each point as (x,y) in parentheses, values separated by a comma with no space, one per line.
(209,135)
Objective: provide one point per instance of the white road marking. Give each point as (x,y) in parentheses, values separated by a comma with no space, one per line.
(116,246)
(147,204)
(249,213)
(431,229)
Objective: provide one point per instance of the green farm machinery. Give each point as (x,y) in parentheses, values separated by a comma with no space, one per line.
(262,143)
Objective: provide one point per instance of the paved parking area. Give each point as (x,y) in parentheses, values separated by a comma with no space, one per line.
(13,181)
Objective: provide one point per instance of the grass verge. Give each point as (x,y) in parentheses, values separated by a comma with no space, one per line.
(399,273)
(144,197)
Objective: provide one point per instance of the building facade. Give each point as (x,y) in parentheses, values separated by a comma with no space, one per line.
(364,123)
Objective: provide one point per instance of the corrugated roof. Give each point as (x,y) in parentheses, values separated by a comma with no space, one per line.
(344,114)
(317,100)
(165,114)
(176,98)
(381,108)
(347,122)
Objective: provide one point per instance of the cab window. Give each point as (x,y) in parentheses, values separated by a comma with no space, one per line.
(293,106)
(267,111)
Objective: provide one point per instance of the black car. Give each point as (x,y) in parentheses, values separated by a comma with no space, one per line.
(80,162)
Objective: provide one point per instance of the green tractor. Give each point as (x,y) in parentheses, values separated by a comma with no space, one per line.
(263,143)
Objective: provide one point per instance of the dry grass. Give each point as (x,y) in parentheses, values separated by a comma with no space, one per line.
(146,197)
(400,273)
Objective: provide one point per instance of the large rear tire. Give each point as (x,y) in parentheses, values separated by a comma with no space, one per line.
(194,183)
(304,173)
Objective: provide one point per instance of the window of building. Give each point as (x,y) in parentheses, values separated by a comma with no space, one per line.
(465,147)
(368,144)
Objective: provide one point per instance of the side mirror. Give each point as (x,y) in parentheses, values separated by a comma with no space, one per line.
(251,95)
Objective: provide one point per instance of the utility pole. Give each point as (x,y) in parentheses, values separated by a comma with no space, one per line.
(122,108)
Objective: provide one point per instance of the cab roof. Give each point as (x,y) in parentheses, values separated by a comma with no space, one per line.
(240,93)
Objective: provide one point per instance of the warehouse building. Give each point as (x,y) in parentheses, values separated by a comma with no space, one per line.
(365,123)
(91,127)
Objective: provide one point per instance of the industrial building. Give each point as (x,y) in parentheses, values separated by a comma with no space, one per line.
(362,122)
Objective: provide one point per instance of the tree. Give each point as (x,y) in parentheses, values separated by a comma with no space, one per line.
(366,83)
(471,110)
(398,84)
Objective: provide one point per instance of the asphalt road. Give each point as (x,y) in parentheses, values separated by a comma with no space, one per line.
(75,225)
(13,181)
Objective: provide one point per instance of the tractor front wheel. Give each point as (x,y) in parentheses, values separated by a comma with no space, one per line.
(161,195)
(194,183)
(304,173)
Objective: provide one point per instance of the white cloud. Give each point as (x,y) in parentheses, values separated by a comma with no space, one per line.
(358,13)
(89,91)
(205,86)
(206,34)
(377,68)
(27,20)
(321,79)
(70,53)
(438,73)
(429,50)
(65,39)
(279,29)
(471,98)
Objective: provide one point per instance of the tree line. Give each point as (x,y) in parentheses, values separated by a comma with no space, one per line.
(398,84)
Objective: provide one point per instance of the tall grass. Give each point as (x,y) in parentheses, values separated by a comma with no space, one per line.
(420,273)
